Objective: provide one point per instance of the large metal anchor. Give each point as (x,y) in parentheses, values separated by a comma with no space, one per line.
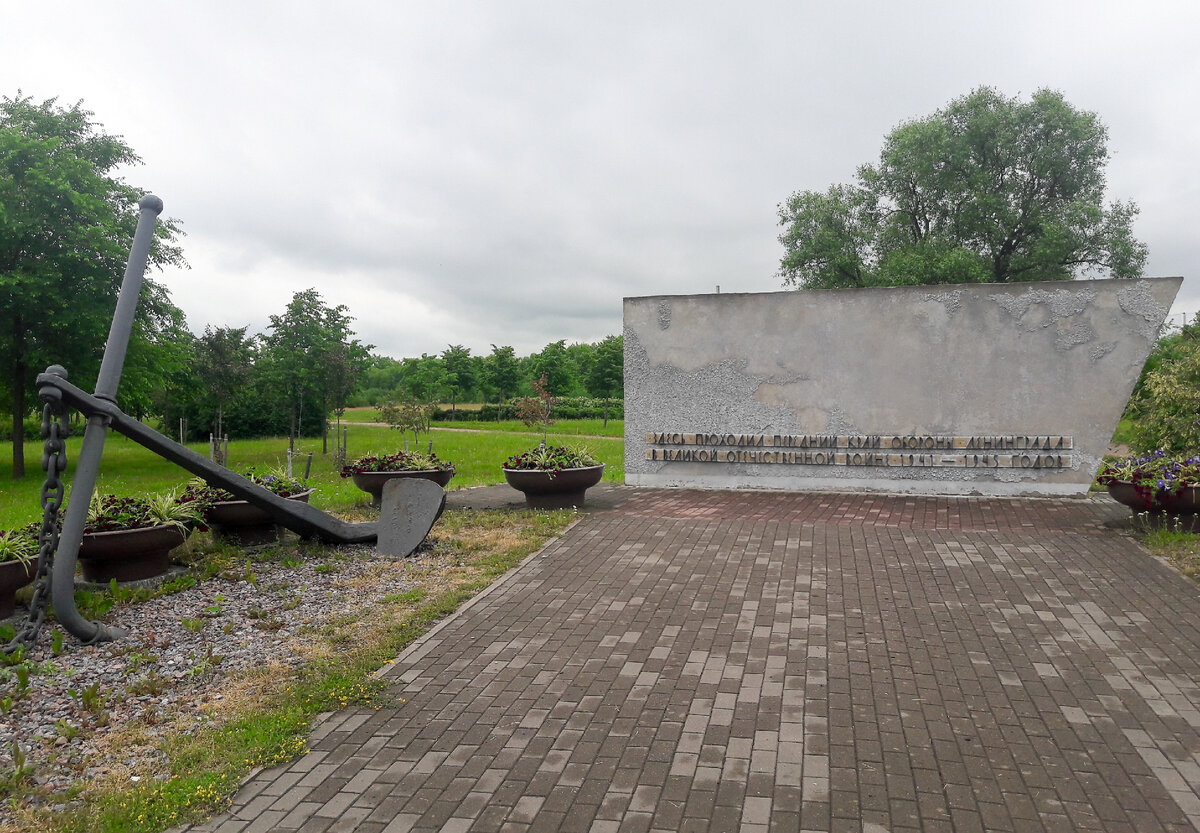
(102,413)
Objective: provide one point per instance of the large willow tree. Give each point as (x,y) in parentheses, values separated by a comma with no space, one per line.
(987,189)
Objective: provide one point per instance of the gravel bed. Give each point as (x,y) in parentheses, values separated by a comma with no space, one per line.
(176,668)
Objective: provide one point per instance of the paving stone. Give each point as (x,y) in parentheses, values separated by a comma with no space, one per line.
(684,660)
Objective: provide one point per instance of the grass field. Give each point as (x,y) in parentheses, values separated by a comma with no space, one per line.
(570,427)
(129,469)
(370,413)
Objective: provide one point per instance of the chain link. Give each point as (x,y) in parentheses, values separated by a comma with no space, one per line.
(54,463)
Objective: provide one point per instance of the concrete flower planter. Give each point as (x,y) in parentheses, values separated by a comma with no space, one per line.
(372,482)
(554,489)
(1186,502)
(13,576)
(241,522)
(128,554)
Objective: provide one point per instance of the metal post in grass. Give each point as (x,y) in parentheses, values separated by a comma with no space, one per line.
(62,587)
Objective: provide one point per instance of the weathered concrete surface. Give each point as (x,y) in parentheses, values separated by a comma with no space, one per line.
(1051,360)
(409,508)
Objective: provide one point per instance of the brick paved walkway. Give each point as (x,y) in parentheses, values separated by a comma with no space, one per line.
(707,661)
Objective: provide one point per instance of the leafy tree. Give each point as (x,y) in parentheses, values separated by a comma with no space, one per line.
(408,414)
(582,356)
(344,361)
(537,411)
(460,373)
(224,362)
(553,364)
(66,223)
(160,353)
(379,378)
(608,370)
(313,356)
(424,378)
(503,372)
(987,189)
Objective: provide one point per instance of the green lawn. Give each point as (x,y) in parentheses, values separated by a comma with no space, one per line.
(128,468)
(569,427)
(1124,432)
(370,413)
(566,428)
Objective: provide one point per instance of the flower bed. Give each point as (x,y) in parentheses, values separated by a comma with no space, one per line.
(280,484)
(553,477)
(1154,481)
(551,458)
(371,473)
(400,461)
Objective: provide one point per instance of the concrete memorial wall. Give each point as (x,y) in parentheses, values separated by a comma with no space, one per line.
(991,389)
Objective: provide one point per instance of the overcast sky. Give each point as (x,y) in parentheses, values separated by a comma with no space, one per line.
(506,172)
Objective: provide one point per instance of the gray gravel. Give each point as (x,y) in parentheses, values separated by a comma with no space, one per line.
(184,654)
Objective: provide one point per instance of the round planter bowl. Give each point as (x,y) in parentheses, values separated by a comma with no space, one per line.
(13,576)
(241,522)
(554,489)
(1124,492)
(1186,502)
(128,554)
(372,482)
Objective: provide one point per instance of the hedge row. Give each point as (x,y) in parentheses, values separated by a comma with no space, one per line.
(568,407)
(33,428)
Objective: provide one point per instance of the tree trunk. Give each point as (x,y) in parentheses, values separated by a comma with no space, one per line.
(18,398)
(18,423)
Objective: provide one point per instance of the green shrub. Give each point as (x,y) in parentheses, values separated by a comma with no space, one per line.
(1167,411)
(33,427)
(565,407)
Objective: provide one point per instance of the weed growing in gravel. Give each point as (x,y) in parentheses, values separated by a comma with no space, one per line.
(92,698)
(151,683)
(93,604)
(18,774)
(205,663)
(193,625)
(214,610)
(136,659)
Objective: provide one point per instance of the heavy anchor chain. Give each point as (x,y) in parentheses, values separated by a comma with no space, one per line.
(54,463)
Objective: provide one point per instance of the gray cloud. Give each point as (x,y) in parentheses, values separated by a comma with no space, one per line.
(483,173)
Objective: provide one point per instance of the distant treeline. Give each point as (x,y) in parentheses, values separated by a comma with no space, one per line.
(454,375)
(292,379)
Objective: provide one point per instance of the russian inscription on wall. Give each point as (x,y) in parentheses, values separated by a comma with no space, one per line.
(984,451)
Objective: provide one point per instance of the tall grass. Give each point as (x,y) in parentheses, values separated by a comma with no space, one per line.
(129,469)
